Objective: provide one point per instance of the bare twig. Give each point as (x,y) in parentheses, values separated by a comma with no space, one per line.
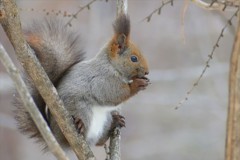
(12,26)
(74,16)
(48,12)
(60,12)
(158,10)
(210,56)
(215,4)
(225,4)
(232,150)
(184,10)
(107,152)
(31,107)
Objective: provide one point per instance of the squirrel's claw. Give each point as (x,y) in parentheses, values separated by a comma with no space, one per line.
(78,124)
(118,121)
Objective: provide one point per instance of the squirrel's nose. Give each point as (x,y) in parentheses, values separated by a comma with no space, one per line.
(146,73)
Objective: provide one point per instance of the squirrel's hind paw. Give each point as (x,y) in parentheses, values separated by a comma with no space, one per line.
(118,121)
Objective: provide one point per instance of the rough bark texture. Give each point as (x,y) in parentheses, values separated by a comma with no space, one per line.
(233,121)
(21,87)
(12,26)
(115,145)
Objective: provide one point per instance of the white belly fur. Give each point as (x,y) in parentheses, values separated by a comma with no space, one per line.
(99,119)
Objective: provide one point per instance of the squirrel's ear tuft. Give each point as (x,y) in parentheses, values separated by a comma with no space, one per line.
(122,25)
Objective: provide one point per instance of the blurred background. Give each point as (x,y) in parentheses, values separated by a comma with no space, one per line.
(154,129)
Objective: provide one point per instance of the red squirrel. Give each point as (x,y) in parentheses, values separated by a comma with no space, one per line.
(91,90)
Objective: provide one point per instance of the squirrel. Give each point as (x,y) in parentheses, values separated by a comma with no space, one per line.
(91,90)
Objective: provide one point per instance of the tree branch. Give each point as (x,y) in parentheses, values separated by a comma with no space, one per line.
(232,150)
(74,16)
(122,6)
(115,145)
(215,4)
(158,10)
(30,106)
(12,26)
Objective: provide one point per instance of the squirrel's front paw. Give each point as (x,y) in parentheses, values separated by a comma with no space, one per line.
(139,84)
(118,121)
(78,124)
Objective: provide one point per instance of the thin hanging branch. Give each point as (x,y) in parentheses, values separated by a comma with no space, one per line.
(158,10)
(31,107)
(62,13)
(210,57)
(74,16)
(12,26)
(48,12)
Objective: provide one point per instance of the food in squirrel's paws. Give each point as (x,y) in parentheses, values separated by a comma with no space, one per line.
(144,77)
(147,79)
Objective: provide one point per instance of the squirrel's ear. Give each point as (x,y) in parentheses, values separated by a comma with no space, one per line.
(121,27)
(121,40)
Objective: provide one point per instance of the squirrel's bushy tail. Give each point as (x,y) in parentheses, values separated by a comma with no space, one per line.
(57,49)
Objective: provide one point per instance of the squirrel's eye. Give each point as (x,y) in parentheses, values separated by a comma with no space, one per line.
(134,59)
